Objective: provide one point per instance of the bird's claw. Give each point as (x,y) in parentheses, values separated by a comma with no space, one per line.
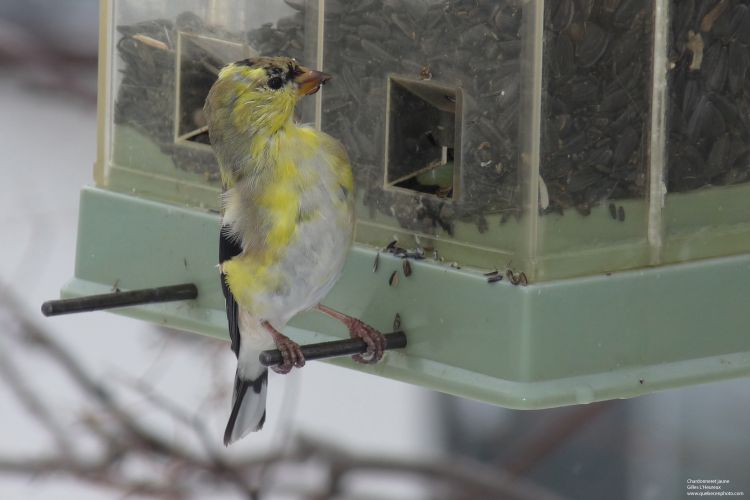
(291,353)
(373,338)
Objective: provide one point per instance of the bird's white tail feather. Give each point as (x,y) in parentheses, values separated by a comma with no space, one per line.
(248,407)
(250,382)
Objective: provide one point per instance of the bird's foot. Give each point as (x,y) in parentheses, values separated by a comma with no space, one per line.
(358,329)
(373,338)
(291,353)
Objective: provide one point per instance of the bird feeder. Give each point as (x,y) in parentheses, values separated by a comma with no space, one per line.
(554,196)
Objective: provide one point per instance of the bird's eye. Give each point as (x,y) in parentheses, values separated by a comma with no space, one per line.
(275,83)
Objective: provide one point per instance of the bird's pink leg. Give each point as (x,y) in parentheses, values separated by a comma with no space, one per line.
(290,350)
(359,329)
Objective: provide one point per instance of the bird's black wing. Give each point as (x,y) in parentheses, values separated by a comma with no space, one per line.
(228,248)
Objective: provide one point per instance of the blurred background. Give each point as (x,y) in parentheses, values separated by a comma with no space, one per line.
(97,406)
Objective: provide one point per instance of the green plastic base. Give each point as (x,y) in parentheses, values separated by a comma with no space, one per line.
(543,345)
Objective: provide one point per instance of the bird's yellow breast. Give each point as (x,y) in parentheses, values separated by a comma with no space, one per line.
(284,181)
(285,176)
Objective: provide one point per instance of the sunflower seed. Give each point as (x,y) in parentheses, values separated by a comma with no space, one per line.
(393,280)
(406,268)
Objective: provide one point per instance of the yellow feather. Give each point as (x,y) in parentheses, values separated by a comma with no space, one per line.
(248,274)
(280,202)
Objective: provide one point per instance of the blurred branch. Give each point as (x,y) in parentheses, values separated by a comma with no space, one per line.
(128,440)
(552,436)
(29,399)
(467,477)
(51,66)
(174,470)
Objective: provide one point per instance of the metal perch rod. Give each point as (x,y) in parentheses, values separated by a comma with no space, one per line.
(185,291)
(395,340)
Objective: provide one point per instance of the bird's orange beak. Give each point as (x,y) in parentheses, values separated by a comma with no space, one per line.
(310,80)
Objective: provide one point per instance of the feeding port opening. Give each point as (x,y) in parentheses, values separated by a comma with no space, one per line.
(422,149)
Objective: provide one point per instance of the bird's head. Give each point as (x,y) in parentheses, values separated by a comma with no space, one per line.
(260,93)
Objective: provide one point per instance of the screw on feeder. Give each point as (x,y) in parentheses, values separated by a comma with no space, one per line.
(185,291)
(395,340)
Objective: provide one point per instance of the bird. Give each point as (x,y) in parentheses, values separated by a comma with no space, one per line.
(287,221)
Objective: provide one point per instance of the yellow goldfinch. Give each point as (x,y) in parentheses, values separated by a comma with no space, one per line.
(287,221)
